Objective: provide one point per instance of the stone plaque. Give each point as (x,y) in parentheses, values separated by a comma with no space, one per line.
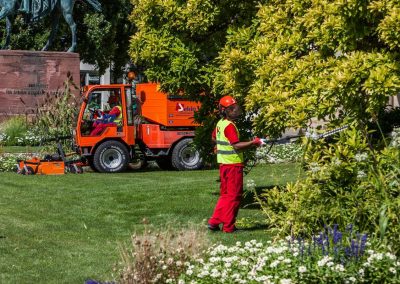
(26,76)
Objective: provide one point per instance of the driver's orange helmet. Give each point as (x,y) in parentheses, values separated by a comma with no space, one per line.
(227,101)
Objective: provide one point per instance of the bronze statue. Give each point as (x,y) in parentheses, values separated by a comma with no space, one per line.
(37,9)
(25,6)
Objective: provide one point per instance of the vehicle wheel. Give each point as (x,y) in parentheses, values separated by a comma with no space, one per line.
(27,171)
(185,156)
(111,157)
(164,163)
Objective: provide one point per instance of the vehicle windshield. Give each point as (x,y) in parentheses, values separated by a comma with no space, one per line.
(99,102)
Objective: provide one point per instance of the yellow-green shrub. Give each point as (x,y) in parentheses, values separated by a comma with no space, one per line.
(347,182)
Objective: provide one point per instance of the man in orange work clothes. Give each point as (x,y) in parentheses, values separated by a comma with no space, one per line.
(230,157)
(112,118)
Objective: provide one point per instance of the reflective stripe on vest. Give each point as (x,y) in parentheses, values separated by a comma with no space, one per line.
(118,119)
(226,154)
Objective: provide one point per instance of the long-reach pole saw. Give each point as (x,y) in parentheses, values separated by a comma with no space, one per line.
(288,139)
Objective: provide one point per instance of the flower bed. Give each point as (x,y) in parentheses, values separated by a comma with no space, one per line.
(289,261)
(8,161)
(331,256)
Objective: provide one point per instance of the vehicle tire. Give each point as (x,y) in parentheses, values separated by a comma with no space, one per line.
(164,163)
(185,156)
(28,171)
(111,157)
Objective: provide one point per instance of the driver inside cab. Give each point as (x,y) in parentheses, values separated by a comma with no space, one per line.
(112,118)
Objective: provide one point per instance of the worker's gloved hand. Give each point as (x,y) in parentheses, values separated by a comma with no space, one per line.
(258,142)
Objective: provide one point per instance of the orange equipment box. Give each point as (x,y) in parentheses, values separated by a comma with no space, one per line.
(41,167)
(154,137)
(165,109)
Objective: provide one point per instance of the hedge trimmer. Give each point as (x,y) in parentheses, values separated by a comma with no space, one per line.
(289,139)
(313,136)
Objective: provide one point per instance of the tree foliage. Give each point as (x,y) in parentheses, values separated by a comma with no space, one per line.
(302,59)
(102,37)
(177,43)
(288,60)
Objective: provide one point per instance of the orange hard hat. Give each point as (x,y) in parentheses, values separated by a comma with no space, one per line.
(227,101)
(131,75)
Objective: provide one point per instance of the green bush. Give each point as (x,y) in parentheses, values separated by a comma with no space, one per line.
(12,129)
(347,182)
(57,114)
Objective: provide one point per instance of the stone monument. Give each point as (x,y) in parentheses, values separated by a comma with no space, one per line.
(26,76)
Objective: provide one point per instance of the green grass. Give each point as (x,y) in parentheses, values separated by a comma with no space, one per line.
(20,149)
(66,229)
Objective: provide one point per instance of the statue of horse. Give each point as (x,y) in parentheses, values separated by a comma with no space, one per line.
(42,8)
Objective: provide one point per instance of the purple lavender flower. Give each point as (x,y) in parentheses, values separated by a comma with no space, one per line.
(348,252)
(320,242)
(354,248)
(337,236)
(363,244)
(301,246)
(327,242)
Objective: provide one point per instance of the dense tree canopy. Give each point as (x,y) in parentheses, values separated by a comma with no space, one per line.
(177,43)
(102,37)
(287,60)
(325,59)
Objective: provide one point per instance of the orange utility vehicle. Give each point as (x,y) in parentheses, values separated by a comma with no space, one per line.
(153,126)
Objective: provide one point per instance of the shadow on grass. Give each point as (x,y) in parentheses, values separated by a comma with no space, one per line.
(249,200)
(254,227)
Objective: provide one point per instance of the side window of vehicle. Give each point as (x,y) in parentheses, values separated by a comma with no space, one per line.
(131,107)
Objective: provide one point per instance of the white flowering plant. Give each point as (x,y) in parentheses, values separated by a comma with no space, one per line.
(28,138)
(293,261)
(8,161)
(12,128)
(395,138)
(279,153)
(3,138)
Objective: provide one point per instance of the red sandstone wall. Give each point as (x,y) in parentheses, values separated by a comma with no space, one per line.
(25,76)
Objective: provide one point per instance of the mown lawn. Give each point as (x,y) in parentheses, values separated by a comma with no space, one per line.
(66,229)
(20,149)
